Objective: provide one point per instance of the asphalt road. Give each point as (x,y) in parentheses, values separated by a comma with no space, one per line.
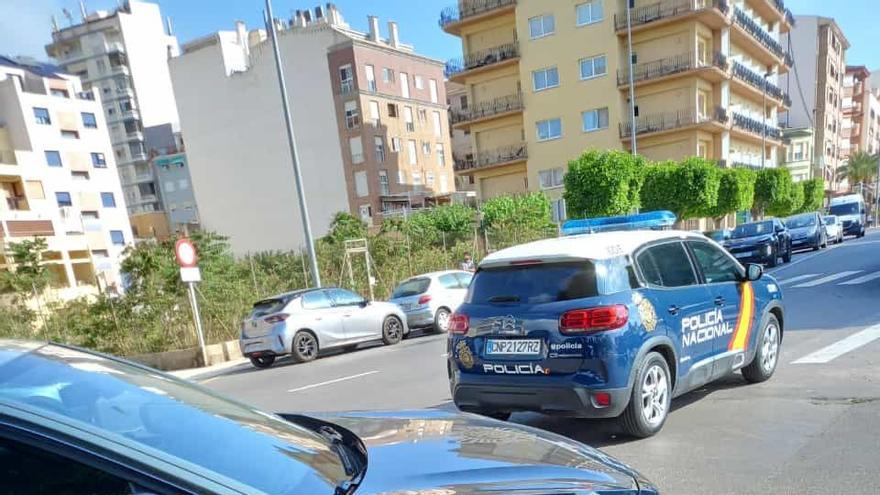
(813,428)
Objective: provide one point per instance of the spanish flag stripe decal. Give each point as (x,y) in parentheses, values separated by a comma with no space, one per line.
(744,320)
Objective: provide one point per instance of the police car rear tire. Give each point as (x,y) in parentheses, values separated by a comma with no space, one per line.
(766,357)
(650,398)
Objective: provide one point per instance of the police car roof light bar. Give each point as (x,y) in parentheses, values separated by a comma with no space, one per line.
(652,220)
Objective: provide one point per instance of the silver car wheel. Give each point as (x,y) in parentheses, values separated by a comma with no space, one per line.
(769,348)
(306,345)
(443,320)
(393,329)
(655,395)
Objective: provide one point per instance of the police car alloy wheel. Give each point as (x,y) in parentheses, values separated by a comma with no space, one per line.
(766,358)
(650,399)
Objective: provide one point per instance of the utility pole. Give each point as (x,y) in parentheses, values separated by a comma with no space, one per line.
(632,86)
(764,121)
(291,142)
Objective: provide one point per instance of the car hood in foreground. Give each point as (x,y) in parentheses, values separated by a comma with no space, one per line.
(442,452)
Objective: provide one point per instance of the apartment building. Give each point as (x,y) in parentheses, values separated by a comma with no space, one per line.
(547,81)
(123,56)
(799,153)
(369,115)
(861,113)
(457,102)
(819,46)
(167,154)
(58,178)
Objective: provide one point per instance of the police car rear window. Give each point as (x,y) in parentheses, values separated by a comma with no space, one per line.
(534,284)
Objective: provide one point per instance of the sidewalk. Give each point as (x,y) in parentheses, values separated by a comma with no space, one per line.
(200,374)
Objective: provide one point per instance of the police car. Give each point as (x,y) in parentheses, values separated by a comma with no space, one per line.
(610,323)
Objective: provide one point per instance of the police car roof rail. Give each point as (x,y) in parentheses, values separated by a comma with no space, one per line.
(652,220)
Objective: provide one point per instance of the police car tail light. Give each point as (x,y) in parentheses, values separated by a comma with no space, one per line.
(425,299)
(459,323)
(276,318)
(594,319)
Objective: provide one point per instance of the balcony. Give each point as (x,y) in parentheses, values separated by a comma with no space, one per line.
(347,87)
(675,120)
(711,12)
(756,85)
(748,31)
(477,61)
(85,95)
(115,70)
(454,17)
(7,157)
(505,155)
(755,129)
(25,223)
(669,67)
(485,110)
(774,11)
(120,116)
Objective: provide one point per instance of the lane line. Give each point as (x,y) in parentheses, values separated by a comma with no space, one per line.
(829,278)
(841,347)
(337,380)
(796,261)
(799,278)
(863,279)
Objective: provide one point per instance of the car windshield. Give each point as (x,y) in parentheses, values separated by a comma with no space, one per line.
(533,284)
(801,221)
(165,417)
(752,229)
(411,287)
(830,220)
(844,209)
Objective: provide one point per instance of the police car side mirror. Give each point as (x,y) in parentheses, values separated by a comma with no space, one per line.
(754,272)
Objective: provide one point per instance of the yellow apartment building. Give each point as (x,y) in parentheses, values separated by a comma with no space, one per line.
(550,80)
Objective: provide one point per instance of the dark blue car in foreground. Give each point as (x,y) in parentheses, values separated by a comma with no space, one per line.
(74,422)
(611,324)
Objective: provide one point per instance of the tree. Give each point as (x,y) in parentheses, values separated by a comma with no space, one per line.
(345,226)
(523,212)
(30,273)
(736,191)
(796,200)
(860,168)
(773,190)
(689,189)
(603,184)
(659,189)
(814,195)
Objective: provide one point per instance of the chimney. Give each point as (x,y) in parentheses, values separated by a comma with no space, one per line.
(393,37)
(241,37)
(333,16)
(307,15)
(373,22)
(319,13)
(299,20)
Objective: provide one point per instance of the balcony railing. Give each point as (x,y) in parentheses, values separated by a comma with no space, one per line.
(666,9)
(670,65)
(470,8)
(671,120)
(482,58)
(483,109)
(86,95)
(757,32)
(758,82)
(755,126)
(489,158)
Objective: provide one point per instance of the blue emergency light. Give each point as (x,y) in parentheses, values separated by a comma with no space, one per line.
(652,220)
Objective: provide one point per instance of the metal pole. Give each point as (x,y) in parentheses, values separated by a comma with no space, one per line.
(764,122)
(632,87)
(291,141)
(197,319)
(877,193)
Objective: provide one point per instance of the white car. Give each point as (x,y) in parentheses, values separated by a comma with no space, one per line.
(833,228)
(428,300)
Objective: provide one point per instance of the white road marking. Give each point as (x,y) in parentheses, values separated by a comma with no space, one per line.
(337,380)
(829,278)
(862,279)
(799,278)
(841,347)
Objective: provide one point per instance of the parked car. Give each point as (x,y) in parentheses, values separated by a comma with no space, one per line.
(761,242)
(428,300)
(833,228)
(76,422)
(305,322)
(807,231)
(852,212)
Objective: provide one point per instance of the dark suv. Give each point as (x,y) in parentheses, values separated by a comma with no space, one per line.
(760,242)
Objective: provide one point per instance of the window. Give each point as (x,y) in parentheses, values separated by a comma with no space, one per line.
(384,189)
(98,160)
(408,118)
(70,134)
(715,264)
(545,79)
(374,112)
(412,152)
(170,186)
(404,84)
(449,281)
(594,120)
(392,110)
(366,213)
(183,184)
(417,178)
(342,297)
(438,127)
(542,25)
(589,12)
(316,300)
(799,151)
(63,199)
(593,67)
(89,120)
(346,79)
(79,175)
(379,148)
(666,265)
(423,116)
(42,116)
(401,177)
(59,92)
(90,215)
(426,148)
(551,178)
(108,200)
(441,155)
(429,179)
(53,158)
(549,129)
(388,75)
(395,144)
(360,184)
(432,86)
(370,73)
(463,102)
(536,284)
(117,238)
(357,149)
(444,184)
(419,82)
(557,210)
(34,189)
(352,115)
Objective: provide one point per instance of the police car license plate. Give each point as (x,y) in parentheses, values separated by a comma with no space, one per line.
(522,347)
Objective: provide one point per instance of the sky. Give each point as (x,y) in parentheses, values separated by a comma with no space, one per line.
(25,26)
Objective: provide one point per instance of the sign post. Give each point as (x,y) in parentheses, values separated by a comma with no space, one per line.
(188,260)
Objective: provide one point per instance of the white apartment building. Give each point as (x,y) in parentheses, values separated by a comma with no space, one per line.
(58,178)
(123,55)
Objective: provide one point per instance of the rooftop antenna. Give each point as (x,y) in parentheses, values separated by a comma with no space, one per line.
(54,23)
(169,26)
(68,16)
(82,9)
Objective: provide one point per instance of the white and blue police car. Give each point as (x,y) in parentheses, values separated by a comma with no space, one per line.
(614,322)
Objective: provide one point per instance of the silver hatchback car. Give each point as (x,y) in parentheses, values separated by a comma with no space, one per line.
(428,300)
(304,322)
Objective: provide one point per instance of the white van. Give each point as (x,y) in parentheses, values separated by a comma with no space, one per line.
(852,213)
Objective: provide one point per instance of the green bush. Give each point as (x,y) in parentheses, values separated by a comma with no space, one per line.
(814,195)
(697,182)
(603,184)
(773,192)
(659,190)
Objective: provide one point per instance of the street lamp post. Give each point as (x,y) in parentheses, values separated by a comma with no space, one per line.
(764,120)
(632,87)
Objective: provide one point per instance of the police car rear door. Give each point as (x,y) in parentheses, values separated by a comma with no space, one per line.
(684,305)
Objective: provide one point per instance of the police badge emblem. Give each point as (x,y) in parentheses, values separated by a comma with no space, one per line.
(465,357)
(646,312)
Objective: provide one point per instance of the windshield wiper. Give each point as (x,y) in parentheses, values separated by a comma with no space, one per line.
(503,299)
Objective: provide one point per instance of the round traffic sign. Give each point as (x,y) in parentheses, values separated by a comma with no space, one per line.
(185,251)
